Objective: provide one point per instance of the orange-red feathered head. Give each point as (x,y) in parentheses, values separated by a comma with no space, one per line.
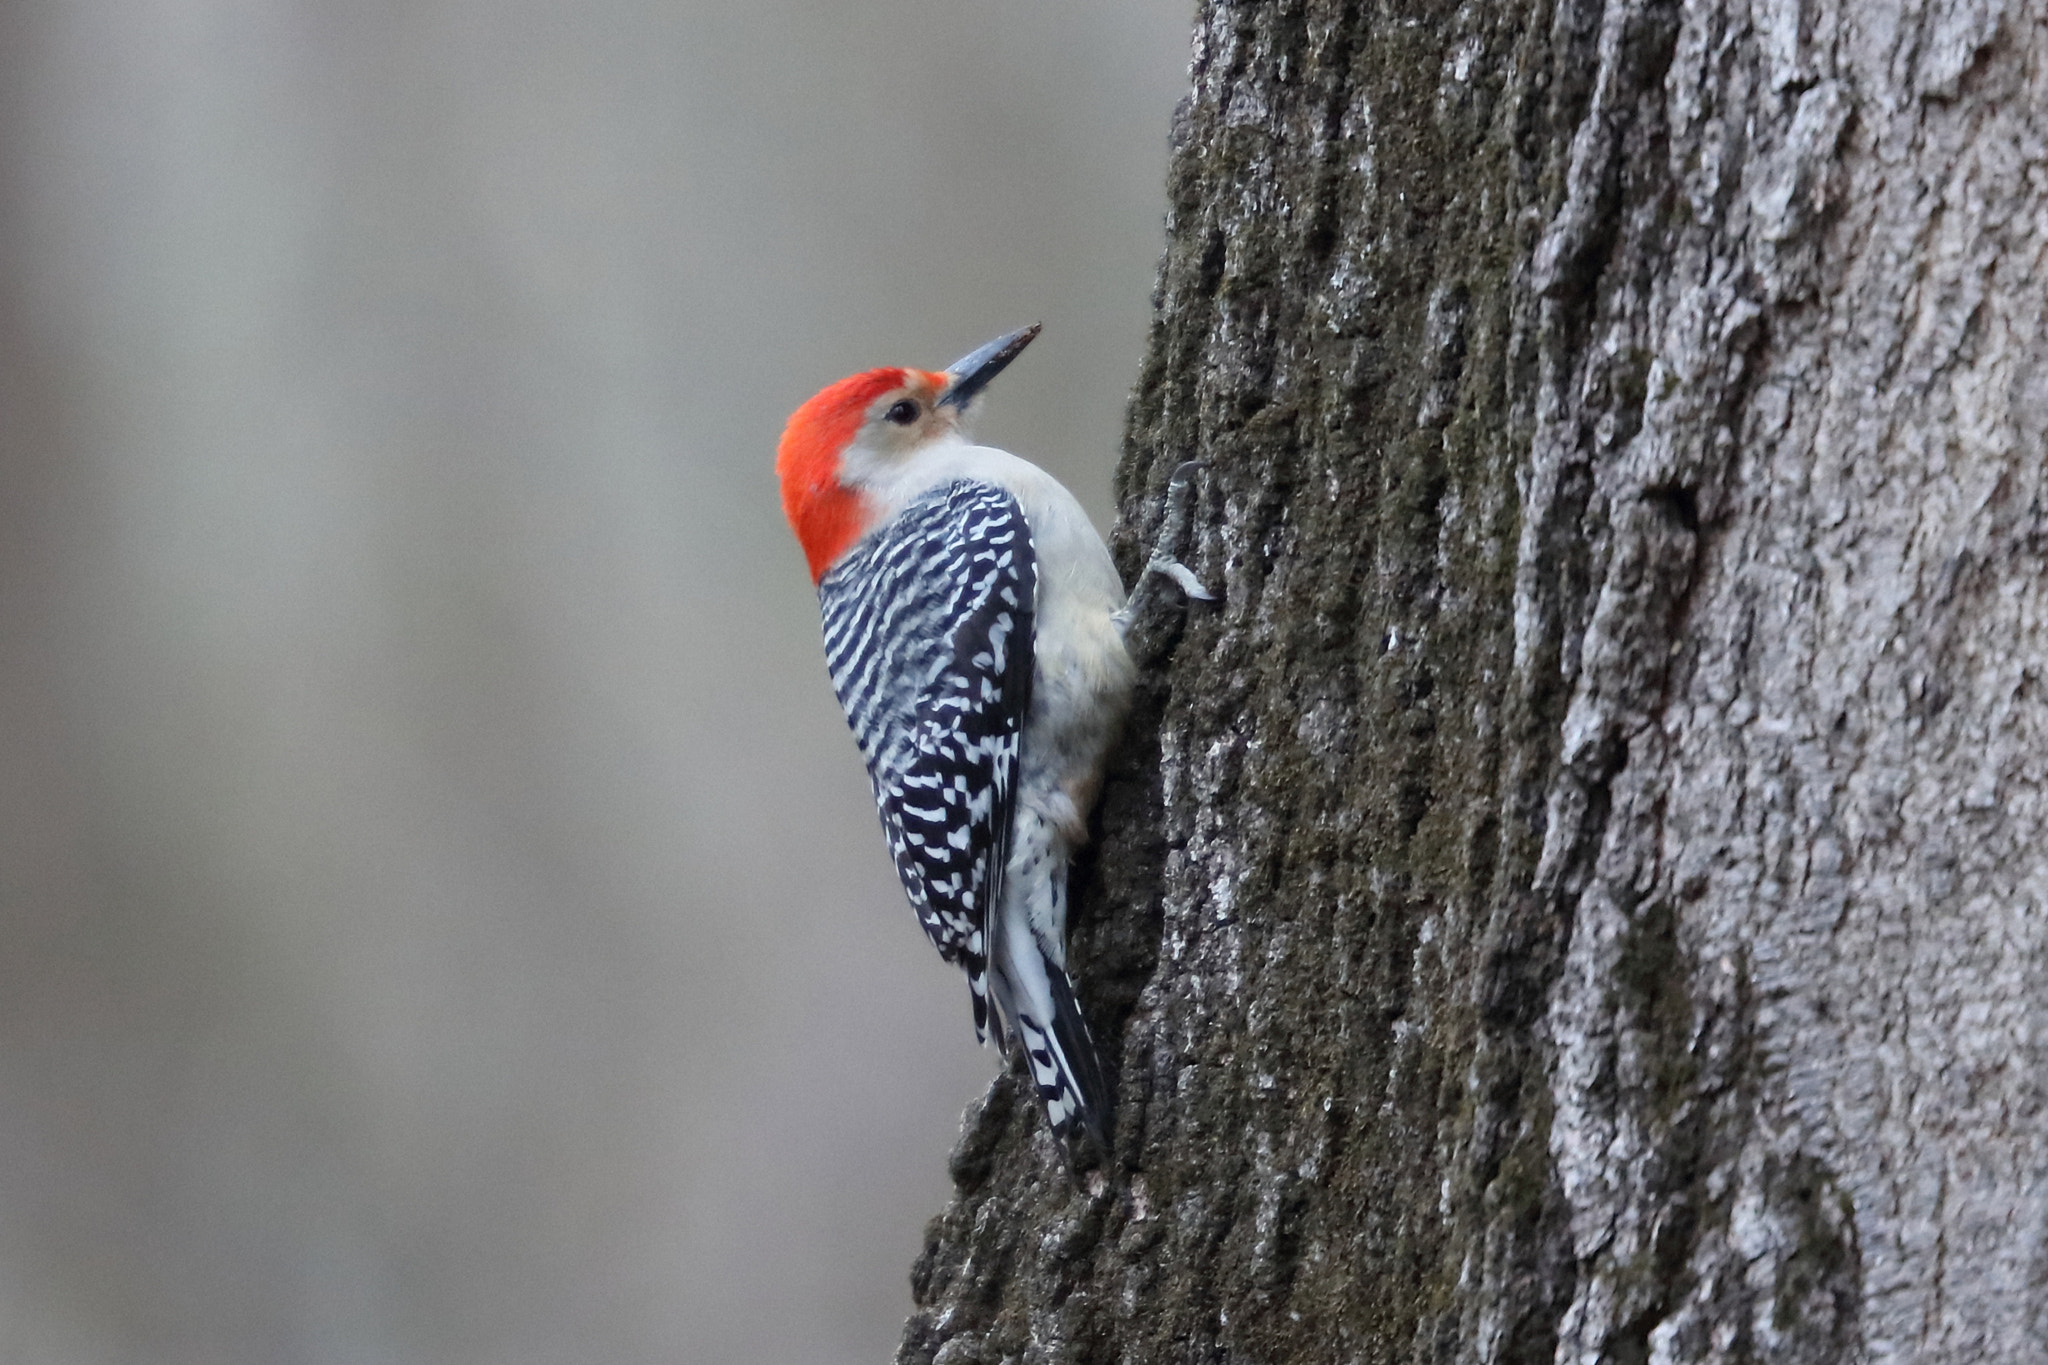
(825,509)
(877,417)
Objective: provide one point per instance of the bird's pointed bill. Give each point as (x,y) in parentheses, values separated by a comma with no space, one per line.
(971,372)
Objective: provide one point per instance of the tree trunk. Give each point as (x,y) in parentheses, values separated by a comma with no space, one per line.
(1581,894)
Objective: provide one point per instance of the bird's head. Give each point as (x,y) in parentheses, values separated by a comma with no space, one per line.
(856,433)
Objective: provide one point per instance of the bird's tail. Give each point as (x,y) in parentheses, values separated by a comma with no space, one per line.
(1065,1067)
(1033,993)
(1080,1063)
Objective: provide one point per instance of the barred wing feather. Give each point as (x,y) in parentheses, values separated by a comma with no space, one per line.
(928,639)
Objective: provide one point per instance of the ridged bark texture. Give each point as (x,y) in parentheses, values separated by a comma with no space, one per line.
(1582,894)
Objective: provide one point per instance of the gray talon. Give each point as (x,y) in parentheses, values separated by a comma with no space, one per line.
(1183,575)
(1165,560)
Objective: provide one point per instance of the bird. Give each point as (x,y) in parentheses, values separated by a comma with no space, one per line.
(974,627)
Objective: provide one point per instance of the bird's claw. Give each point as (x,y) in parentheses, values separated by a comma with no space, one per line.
(1165,560)
(1173,530)
(1183,575)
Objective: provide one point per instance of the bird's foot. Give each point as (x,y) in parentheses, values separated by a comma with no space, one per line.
(1164,563)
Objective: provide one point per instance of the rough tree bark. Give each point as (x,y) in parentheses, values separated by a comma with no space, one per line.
(1581,895)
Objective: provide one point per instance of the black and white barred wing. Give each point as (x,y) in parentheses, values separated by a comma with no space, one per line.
(928,638)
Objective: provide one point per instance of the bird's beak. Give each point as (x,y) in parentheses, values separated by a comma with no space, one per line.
(971,372)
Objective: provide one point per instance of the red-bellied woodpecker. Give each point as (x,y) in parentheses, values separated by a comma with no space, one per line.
(974,630)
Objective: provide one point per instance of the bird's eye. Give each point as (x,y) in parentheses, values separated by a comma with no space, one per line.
(902,412)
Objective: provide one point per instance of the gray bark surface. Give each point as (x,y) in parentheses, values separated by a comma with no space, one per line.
(1581,895)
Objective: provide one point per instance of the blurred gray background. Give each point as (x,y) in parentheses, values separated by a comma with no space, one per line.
(441,914)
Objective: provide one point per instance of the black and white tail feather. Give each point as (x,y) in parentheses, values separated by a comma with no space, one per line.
(1035,992)
(1065,1067)
(928,638)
